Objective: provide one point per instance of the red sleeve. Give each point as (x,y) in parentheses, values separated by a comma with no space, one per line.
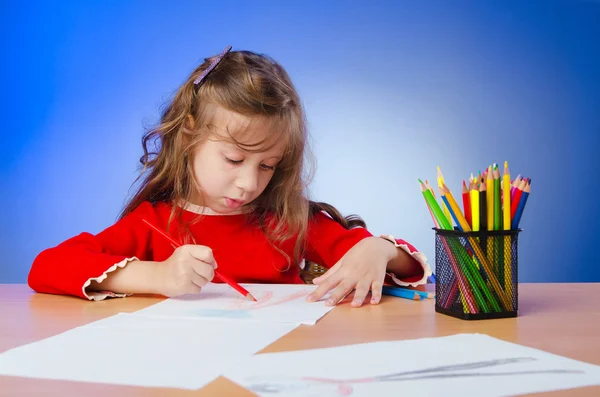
(327,241)
(66,268)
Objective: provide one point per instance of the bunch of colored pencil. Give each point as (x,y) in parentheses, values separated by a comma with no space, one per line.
(482,267)
(491,202)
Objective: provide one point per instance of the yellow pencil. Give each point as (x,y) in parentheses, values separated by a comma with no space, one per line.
(440,183)
(490,198)
(506,226)
(474,194)
(475,221)
(506,197)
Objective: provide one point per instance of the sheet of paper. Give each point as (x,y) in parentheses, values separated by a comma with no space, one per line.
(128,349)
(459,365)
(276,303)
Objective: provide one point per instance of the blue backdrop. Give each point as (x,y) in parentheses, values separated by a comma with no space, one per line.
(391,90)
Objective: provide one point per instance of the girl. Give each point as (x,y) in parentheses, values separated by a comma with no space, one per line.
(223,174)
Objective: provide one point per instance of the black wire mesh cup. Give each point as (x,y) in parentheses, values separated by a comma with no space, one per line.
(476,273)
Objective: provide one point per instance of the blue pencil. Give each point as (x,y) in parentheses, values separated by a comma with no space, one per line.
(452,213)
(406,293)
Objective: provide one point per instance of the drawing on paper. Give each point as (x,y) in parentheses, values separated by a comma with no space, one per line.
(242,308)
(316,386)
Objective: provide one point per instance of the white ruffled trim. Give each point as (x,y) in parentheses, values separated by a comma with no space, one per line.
(200,210)
(100,295)
(419,256)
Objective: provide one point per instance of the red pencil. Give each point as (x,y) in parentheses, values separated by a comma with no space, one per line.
(515,200)
(220,276)
(467,202)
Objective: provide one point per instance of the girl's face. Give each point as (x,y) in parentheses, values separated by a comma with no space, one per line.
(229,176)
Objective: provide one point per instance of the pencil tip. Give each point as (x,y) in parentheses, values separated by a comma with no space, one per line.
(251,297)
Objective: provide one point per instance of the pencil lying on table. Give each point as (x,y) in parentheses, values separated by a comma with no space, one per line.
(396,291)
(218,275)
(401,293)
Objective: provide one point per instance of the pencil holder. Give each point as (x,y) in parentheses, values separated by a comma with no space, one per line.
(476,274)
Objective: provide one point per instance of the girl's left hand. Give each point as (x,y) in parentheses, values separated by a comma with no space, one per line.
(361,268)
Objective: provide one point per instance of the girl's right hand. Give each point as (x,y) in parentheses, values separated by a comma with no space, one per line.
(187,270)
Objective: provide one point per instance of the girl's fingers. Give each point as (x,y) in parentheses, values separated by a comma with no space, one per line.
(340,292)
(324,288)
(362,289)
(376,288)
(197,281)
(203,269)
(201,253)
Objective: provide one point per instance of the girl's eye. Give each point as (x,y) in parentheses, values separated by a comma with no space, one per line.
(267,167)
(233,161)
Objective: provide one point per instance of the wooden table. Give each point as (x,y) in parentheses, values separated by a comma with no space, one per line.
(559,318)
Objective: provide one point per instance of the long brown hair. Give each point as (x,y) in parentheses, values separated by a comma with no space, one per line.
(255,86)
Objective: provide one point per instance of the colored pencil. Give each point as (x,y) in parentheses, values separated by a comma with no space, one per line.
(514,185)
(406,292)
(482,207)
(506,198)
(483,215)
(506,223)
(450,296)
(433,204)
(490,198)
(497,223)
(474,198)
(435,221)
(441,181)
(400,293)
(218,275)
(497,203)
(517,198)
(522,202)
(467,202)
(439,223)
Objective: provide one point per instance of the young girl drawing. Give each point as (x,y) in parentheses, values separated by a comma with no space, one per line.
(223,175)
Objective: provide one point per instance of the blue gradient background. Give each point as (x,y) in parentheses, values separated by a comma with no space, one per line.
(391,90)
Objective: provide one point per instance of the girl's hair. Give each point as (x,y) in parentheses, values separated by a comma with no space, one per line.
(254,86)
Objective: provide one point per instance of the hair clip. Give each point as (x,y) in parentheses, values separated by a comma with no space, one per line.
(212,65)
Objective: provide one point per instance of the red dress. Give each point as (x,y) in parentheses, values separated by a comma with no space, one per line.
(241,250)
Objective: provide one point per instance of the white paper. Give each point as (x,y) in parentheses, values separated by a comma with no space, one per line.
(128,349)
(475,365)
(276,303)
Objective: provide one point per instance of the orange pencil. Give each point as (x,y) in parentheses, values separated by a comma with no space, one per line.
(223,278)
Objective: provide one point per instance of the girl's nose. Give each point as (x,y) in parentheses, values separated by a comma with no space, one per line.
(247,179)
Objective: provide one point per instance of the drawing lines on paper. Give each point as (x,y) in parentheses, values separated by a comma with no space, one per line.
(242,308)
(306,386)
